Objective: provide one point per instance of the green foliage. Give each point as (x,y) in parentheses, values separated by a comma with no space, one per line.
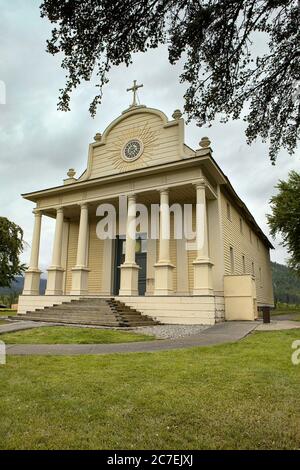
(9,299)
(285,217)
(288,307)
(222,71)
(11,246)
(286,285)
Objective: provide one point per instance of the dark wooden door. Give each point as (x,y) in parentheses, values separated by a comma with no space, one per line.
(119,259)
(141,260)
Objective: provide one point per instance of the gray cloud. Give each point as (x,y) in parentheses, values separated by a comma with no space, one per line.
(38,143)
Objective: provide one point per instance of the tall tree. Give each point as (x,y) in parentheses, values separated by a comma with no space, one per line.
(225,77)
(285,217)
(11,246)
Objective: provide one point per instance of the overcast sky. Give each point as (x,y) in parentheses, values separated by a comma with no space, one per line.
(38,144)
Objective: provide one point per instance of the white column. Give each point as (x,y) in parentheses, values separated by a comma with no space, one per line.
(201,222)
(129,269)
(56,253)
(202,263)
(164,227)
(35,247)
(163,283)
(130,230)
(32,275)
(82,237)
(55,271)
(80,272)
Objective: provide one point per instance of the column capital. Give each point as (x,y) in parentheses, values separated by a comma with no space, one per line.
(37,212)
(131,196)
(163,190)
(83,205)
(59,210)
(200,183)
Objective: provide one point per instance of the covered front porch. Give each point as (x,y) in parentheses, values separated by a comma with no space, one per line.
(138,258)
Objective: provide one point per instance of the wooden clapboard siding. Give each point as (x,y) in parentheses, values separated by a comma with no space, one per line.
(243,246)
(192,253)
(72,253)
(95,261)
(173,252)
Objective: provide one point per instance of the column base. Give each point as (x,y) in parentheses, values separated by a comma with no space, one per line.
(55,281)
(203,277)
(32,282)
(80,277)
(129,279)
(163,281)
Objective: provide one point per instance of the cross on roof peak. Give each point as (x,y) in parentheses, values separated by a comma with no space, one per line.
(134,89)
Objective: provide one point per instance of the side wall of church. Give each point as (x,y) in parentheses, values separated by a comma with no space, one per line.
(245,252)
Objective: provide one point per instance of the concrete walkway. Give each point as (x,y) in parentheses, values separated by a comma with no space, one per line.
(19,325)
(217,334)
(277,325)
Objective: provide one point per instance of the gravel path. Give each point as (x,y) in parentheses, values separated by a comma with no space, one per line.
(170,331)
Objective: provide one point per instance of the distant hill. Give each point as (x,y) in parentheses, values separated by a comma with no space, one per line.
(286,284)
(18,284)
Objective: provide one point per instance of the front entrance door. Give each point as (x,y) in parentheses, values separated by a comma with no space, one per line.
(140,259)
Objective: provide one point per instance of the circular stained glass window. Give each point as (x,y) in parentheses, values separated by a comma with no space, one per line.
(132,150)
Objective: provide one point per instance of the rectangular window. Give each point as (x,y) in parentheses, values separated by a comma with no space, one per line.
(231,260)
(244,264)
(253,271)
(228,211)
(241,225)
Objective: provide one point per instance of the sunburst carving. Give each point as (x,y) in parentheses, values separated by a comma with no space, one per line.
(146,136)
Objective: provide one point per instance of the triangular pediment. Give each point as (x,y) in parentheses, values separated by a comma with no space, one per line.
(139,138)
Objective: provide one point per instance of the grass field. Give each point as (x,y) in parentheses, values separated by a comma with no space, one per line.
(7,312)
(242,395)
(291,312)
(69,335)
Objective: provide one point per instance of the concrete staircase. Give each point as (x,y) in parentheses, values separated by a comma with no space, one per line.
(90,311)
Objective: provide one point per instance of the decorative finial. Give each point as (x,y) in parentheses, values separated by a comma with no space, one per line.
(134,89)
(177,114)
(97,137)
(71,173)
(204,142)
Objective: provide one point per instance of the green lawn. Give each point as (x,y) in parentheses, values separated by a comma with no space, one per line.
(7,312)
(284,311)
(289,312)
(69,335)
(242,395)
